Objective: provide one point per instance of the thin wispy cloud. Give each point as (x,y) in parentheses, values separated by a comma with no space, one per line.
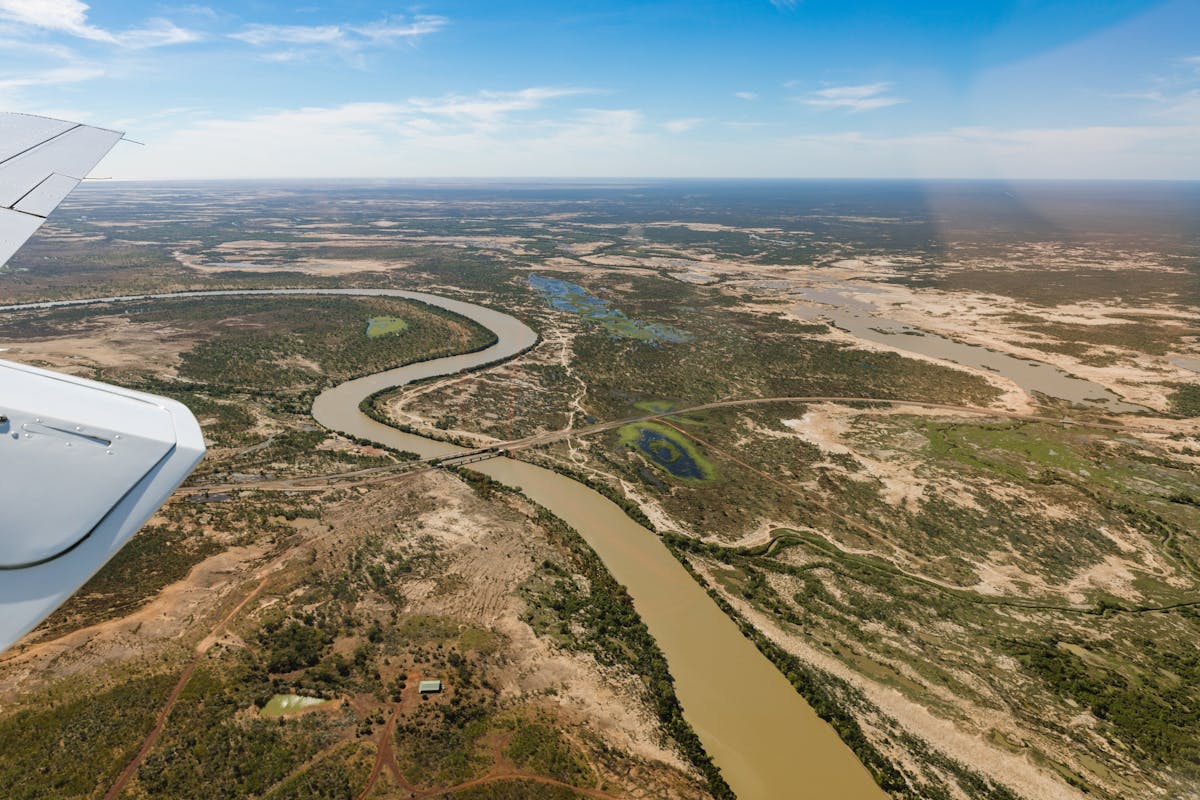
(300,41)
(683,125)
(71,17)
(388,32)
(51,77)
(32,91)
(158,33)
(197,10)
(10,41)
(784,5)
(484,113)
(446,134)
(265,35)
(1174,95)
(487,107)
(855,98)
(746,95)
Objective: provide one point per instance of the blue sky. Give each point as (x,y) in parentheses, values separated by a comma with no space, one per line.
(812,88)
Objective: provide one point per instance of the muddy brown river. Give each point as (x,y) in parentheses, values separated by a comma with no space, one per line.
(767,741)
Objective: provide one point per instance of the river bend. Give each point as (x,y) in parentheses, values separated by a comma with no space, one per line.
(766,740)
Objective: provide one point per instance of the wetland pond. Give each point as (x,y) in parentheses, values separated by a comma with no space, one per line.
(571,297)
(1187,362)
(853,316)
(668,449)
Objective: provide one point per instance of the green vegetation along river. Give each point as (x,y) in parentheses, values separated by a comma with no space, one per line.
(767,741)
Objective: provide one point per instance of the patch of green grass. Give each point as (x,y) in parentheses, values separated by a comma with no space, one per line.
(385,326)
(654,406)
(1017,450)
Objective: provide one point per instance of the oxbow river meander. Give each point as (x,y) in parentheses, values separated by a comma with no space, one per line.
(767,741)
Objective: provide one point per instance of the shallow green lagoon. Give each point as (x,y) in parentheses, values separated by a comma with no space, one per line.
(385,326)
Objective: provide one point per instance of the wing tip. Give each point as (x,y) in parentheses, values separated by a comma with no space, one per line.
(63,121)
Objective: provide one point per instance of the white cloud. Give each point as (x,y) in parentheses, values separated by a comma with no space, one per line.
(487,106)
(303,40)
(158,33)
(27,91)
(51,77)
(67,16)
(1175,97)
(595,131)
(260,35)
(785,4)
(71,17)
(746,95)
(488,133)
(682,125)
(547,131)
(855,98)
(390,31)
(197,10)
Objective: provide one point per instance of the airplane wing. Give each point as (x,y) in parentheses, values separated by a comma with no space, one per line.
(41,161)
(82,464)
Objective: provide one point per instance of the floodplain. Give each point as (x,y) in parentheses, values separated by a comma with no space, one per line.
(986,585)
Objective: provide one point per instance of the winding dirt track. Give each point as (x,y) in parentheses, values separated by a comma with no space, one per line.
(160,721)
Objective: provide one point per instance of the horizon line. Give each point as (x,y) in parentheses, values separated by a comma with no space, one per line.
(648,178)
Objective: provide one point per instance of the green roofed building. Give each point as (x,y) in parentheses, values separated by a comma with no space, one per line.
(426,687)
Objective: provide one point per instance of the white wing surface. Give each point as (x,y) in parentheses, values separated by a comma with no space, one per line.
(41,161)
(82,464)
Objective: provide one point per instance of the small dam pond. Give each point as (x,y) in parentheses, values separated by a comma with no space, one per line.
(282,704)
(566,296)
(668,450)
